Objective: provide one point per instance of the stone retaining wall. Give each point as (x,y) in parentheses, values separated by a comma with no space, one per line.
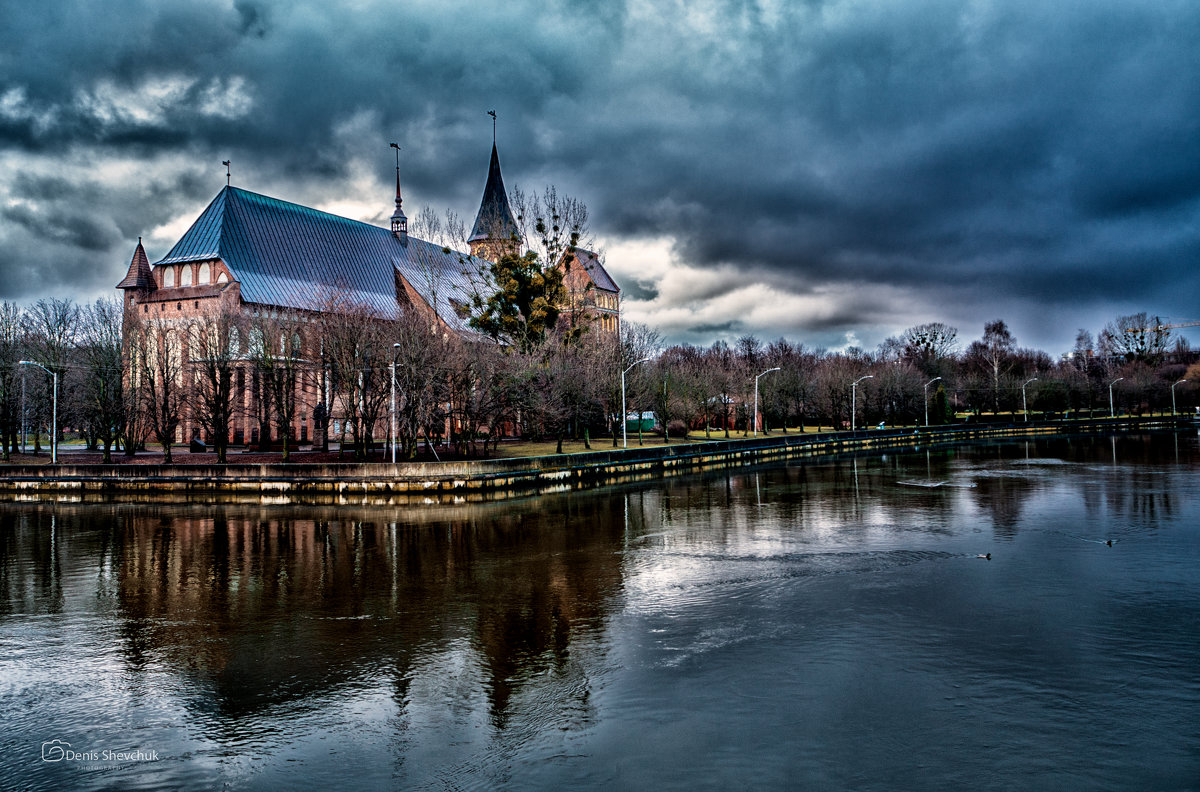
(422,482)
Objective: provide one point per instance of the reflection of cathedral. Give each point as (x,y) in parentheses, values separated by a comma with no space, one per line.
(268,608)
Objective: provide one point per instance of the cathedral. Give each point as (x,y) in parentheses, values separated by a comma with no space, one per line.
(257,255)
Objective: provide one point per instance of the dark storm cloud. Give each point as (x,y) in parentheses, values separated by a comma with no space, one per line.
(636,290)
(723,328)
(1020,158)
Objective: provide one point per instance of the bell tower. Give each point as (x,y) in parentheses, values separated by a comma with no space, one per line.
(495,232)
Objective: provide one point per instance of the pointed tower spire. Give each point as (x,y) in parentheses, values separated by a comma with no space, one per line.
(495,232)
(399,221)
(139,275)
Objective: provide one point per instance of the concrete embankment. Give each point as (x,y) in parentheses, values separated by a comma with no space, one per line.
(427,482)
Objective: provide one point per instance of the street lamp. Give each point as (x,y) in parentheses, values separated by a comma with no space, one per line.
(624,433)
(1173,395)
(54,423)
(927,384)
(1111,413)
(1024,408)
(768,371)
(854,400)
(395,351)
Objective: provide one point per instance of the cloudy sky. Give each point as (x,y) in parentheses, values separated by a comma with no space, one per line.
(832,172)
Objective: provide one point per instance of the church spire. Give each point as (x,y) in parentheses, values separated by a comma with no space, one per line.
(399,221)
(495,232)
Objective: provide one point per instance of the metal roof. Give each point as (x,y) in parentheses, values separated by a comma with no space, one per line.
(293,256)
(593,267)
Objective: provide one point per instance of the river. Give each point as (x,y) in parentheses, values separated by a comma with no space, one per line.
(825,625)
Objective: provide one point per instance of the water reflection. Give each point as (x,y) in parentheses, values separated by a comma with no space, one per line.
(713,629)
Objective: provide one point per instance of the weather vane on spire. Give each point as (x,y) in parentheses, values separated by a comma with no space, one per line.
(226,164)
(492,113)
(397,147)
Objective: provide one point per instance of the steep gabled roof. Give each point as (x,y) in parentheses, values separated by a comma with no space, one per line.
(139,275)
(292,256)
(495,217)
(595,270)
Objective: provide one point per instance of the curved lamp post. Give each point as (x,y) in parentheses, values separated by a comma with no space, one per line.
(768,371)
(854,400)
(1111,412)
(624,433)
(54,423)
(1173,395)
(1024,408)
(395,351)
(927,384)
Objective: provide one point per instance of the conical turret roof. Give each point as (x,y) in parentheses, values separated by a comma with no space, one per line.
(139,275)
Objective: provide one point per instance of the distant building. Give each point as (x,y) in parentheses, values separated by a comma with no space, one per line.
(591,290)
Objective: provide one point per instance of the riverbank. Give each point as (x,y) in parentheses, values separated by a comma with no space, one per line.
(429,482)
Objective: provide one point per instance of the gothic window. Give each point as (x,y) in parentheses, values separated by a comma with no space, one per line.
(205,274)
(222,278)
(186,279)
(168,276)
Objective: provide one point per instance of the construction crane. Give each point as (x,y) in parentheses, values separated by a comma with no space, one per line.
(1164,326)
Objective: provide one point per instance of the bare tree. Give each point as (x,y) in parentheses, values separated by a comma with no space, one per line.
(927,345)
(637,341)
(550,224)
(53,326)
(275,350)
(357,354)
(103,388)
(12,337)
(480,380)
(214,345)
(154,352)
(421,349)
(1136,337)
(993,355)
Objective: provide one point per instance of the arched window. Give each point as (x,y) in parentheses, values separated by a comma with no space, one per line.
(186,279)
(255,347)
(222,277)
(205,274)
(168,276)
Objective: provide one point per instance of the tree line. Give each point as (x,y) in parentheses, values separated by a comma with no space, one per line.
(126,381)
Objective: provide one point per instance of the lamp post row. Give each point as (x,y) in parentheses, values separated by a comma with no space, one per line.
(624,435)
